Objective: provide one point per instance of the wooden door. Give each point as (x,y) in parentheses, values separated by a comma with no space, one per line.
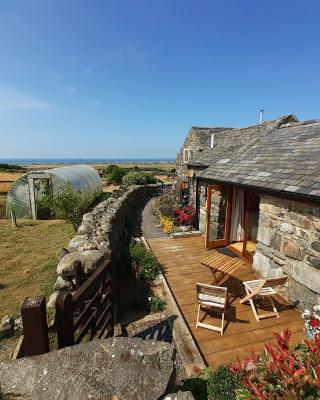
(217,216)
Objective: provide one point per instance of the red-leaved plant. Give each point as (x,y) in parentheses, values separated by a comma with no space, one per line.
(184,215)
(281,372)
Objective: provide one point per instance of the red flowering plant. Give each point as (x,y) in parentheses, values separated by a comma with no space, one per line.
(184,215)
(281,372)
(312,321)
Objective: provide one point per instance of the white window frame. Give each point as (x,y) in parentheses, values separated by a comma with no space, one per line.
(189,152)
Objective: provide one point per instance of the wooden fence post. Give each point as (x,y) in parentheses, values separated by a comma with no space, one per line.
(35,326)
(64,320)
(13,218)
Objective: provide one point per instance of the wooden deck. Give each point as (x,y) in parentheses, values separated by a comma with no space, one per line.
(180,260)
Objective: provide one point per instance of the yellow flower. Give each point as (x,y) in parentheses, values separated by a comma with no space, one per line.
(167,224)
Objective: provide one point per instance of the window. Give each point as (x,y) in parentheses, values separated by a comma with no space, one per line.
(187,155)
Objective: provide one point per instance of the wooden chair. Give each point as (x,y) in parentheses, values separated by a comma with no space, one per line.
(211,297)
(265,288)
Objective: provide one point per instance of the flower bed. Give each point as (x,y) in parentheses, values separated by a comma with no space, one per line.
(281,372)
(172,216)
(312,321)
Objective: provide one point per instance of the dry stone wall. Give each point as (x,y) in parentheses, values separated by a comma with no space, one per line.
(104,232)
(289,243)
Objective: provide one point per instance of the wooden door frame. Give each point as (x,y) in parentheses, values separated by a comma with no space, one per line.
(245,254)
(212,244)
(247,204)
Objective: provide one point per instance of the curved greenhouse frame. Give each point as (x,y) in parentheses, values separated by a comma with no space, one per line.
(26,190)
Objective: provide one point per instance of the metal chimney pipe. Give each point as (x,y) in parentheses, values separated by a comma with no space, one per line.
(261,116)
(212,141)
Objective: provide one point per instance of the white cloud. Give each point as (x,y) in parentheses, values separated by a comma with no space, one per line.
(55,76)
(96,102)
(69,89)
(128,52)
(12,99)
(88,71)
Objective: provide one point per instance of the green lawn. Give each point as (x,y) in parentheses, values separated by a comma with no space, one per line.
(28,260)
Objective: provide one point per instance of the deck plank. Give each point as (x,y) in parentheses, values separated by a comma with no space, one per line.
(180,260)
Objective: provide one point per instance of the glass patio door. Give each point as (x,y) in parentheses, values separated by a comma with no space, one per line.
(217,217)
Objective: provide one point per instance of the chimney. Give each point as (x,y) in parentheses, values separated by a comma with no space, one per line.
(212,140)
(261,116)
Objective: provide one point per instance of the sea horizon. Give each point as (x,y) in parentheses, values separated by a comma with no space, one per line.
(28,161)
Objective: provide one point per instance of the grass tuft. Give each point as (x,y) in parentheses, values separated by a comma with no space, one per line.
(28,260)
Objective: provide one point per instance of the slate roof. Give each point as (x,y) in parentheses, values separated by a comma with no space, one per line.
(204,133)
(284,159)
(227,142)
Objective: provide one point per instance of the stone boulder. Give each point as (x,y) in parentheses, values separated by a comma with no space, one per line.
(293,250)
(6,326)
(63,284)
(179,396)
(63,252)
(80,243)
(118,368)
(90,259)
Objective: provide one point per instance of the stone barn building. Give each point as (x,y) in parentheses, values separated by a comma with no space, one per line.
(257,191)
(196,141)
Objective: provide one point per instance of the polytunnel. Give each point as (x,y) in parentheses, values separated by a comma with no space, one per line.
(24,193)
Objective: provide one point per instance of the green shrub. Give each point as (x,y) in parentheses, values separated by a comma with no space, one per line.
(282,372)
(116,176)
(222,384)
(197,385)
(69,204)
(138,178)
(156,304)
(165,206)
(143,261)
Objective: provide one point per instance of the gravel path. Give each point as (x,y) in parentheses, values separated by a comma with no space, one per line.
(149,223)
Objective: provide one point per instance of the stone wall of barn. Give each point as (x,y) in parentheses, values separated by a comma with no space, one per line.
(289,243)
(191,142)
(202,190)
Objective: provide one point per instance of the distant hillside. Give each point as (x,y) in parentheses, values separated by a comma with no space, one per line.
(11,168)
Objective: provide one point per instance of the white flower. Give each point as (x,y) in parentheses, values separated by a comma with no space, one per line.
(317,307)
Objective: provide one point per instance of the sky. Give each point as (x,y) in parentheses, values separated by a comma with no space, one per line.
(128,78)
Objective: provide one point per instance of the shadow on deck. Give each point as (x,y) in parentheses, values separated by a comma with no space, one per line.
(180,260)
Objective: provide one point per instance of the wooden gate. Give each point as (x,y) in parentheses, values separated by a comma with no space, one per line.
(89,311)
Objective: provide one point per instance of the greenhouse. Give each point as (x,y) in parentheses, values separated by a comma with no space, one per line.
(26,193)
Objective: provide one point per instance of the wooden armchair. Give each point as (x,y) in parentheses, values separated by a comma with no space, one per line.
(265,288)
(211,297)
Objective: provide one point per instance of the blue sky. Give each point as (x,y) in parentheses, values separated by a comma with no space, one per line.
(109,79)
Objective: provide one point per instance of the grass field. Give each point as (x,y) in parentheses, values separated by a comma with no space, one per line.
(142,165)
(9,176)
(28,259)
(2,206)
(6,178)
